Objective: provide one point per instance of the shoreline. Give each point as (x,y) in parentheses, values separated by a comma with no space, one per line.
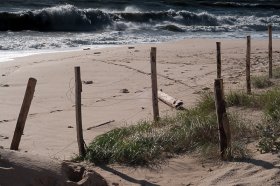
(10,55)
(13,55)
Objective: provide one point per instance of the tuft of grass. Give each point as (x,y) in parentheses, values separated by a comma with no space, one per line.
(261,82)
(276,72)
(206,102)
(269,137)
(270,102)
(148,143)
(241,99)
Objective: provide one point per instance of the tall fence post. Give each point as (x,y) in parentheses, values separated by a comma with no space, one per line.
(219,61)
(270,50)
(248,65)
(79,128)
(29,93)
(154,83)
(222,119)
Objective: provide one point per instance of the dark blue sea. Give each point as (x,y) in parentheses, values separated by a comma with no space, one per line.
(36,25)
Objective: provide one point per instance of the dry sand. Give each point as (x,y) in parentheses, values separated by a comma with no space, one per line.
(185,68)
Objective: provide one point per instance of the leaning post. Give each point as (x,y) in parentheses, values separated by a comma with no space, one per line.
(29,93)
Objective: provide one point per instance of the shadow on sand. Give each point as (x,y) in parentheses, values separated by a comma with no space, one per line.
(126,177)
(261,163)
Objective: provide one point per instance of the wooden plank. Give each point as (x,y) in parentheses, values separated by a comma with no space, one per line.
(79,128)
(219,61)
(248,65)
(29,93)
(222,119)
(154,83)
(270,50)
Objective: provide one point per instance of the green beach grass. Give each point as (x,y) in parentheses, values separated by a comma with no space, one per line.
(148,143)
(194,130)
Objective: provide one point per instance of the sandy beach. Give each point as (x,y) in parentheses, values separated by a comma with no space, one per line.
(185,69)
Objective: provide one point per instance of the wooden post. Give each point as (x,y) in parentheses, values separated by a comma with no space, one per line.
(219,61)
(79,128)
(222,119)
(270,50)
(248,65)
(29,93)
(154,83)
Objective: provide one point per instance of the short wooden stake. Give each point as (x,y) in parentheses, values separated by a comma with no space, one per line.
(79,128)
(29,93)
(154,83)
(270,50)
(222,119)
(219,61)
(248,65)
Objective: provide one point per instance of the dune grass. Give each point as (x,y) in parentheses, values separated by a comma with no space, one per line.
(268,131)
(268,102)
(261,82)
(190,131)
(276,72)
(148,143)
(242,99)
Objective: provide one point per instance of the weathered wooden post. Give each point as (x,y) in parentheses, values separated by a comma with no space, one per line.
(79,128)
(219,61)
(248,65)
(154,83)
(222,119)
(270,50)
(29,93)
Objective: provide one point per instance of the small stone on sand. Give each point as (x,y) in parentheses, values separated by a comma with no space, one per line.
(87,82)
(124,90)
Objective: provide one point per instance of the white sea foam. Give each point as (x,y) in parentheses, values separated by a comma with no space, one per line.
(67,26)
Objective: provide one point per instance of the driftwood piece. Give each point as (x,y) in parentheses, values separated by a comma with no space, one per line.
(170,101)
(21,169)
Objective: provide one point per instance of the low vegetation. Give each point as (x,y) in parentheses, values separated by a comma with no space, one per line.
(242,99)
(269,137)
(269,103)
(276,72)
(193,131)
(261,82)
(148,143)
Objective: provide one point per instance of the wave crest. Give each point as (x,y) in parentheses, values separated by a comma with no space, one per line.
(71,18)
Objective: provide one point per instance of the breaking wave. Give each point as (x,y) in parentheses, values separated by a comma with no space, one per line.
(73,19)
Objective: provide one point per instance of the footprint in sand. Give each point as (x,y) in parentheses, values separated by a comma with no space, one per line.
(56,111)
(4,121)
(4,137)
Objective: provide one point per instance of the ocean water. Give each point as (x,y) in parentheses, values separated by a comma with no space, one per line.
(39,25)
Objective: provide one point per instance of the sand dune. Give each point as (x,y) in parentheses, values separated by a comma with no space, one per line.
(185,68)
